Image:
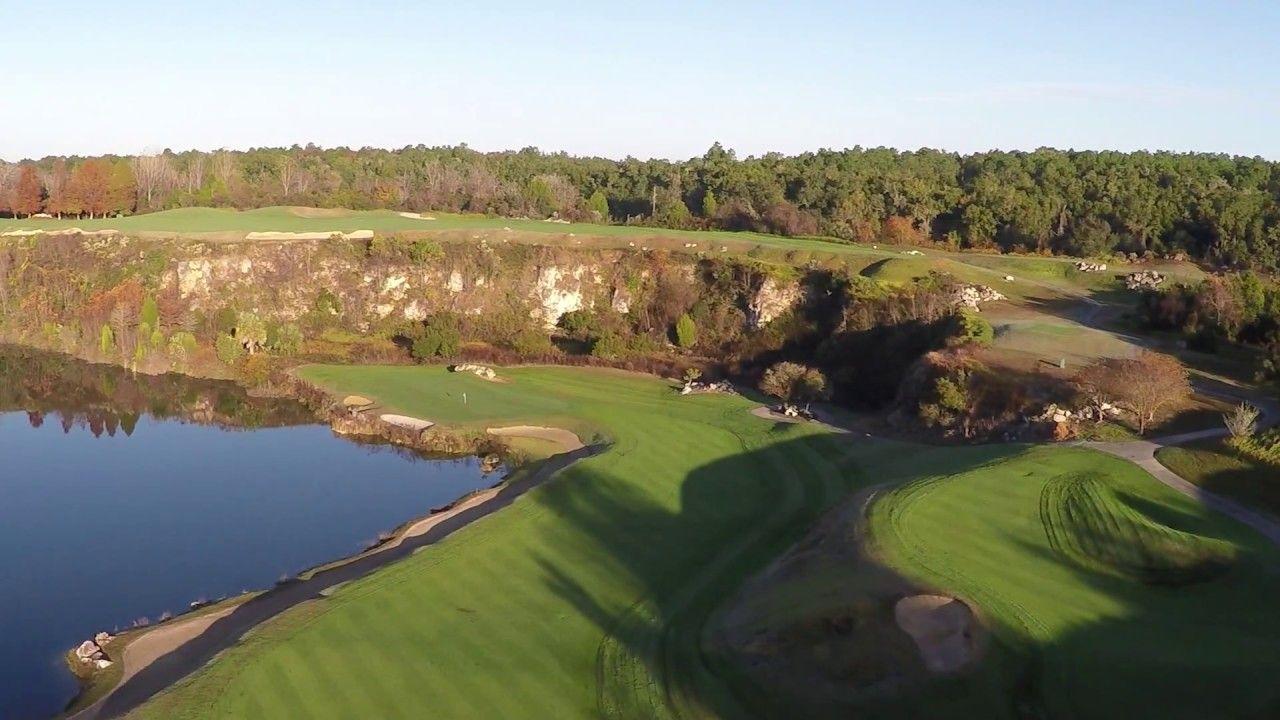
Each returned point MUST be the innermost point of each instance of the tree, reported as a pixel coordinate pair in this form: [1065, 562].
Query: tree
[686, 332]
[793, 382]
[1143, 385]
[598, 206]
[709, 205]
[28, 196]
[155, 175]
[89, 188]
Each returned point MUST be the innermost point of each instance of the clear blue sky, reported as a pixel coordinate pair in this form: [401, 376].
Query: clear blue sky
[655, 78]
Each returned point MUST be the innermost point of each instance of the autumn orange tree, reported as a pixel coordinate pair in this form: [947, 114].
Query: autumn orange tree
[28, 195]
[1143, 385]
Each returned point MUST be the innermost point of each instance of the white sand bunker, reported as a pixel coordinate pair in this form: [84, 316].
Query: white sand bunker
[415, 216]
[406, 422]
[63, 231]
[564, 438]
[354, 235]
[942, 628]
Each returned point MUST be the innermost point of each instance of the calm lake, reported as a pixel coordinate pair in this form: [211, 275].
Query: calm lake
[126, 497]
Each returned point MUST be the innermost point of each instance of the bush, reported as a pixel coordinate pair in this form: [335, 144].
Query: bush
[609, 347]
[284, 339]
[182, 345]
[531, 341]
[229, 349]
[579, 324]
[438, 338]
[686, 332]
[970, 327]
[421, 251]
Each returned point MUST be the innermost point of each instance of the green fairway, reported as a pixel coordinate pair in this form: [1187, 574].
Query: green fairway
[1074, 557]
[1035, 273]
[590, 596]
[608, 572]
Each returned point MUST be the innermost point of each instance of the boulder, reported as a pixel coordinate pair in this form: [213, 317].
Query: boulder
[480, 371]
[1143, 280]
[971, 296]
[1090, 266]
[102, 639]
[102, 663]
[88, 651]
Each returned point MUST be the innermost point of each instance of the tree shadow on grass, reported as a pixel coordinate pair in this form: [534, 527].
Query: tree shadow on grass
[677, 568]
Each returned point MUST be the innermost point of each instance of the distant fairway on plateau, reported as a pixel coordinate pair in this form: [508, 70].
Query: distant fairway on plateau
[590, 596]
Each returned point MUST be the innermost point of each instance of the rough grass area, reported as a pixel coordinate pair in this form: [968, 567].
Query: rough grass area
[1217, 467]
[1073, 641]
[591, 596]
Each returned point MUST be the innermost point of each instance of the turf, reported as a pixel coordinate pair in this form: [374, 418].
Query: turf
[607, 572]
[1214, 466]
[589, 597]
[1074, 639]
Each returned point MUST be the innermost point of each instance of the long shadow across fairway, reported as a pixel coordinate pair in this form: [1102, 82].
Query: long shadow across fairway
[226, 631]
[737, 514]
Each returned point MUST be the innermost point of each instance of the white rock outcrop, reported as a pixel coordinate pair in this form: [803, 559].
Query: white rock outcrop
[972, 296]
[1143, 280]
[771, 300]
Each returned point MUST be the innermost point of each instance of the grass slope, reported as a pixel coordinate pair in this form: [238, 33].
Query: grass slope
[1215, 466]
[590, 596]
[606, 573]
[1087, 642]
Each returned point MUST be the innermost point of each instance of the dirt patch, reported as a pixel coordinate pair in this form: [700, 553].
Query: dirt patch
[565, 439]
[942, 628]
[356, 402]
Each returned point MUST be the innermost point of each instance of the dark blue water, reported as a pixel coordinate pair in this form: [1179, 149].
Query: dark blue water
[99, 527]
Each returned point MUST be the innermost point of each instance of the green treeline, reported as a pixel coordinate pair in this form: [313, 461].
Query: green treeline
[1215, 207]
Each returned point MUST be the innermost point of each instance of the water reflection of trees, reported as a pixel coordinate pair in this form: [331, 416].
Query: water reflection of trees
[106, 399]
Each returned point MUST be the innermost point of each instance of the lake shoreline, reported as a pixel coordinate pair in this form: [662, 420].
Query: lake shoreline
[186, 652]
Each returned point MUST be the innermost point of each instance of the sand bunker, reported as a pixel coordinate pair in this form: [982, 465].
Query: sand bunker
[559, 436]
[310, 212]
[942, 628]
[415, 216]
[64, 231]
[406, 422]
[272, 235]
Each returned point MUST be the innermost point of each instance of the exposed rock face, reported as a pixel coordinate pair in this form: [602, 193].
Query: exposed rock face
[554, 297]
[1143, 280]
[772, 299]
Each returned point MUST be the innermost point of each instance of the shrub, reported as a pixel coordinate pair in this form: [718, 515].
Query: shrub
[686, 332]
[423, 250]
[251, 332]
[439, 338]
[1242, 421]
[284, 339]
[970, 327]
[609, 347]
[106, 340]
[182, 345]
[531, 341]
[228, 349]
[327, 303]
[149, 315]
[579, 324]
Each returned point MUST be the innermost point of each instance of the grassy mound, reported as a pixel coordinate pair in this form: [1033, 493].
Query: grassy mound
[899, 271]
[1088, 522]
[1070, 641]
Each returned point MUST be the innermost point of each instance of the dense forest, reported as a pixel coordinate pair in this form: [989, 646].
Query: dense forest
[1218, 208]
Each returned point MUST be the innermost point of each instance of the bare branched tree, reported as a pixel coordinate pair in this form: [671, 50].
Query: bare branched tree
[154, 175]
